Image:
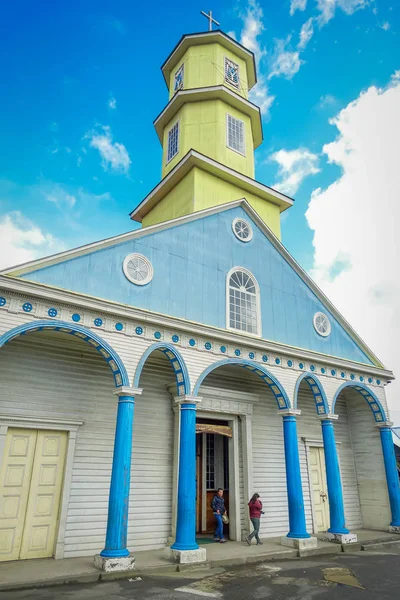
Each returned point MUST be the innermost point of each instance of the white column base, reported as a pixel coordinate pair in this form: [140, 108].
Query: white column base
[394, 529]
[341, 538]
[186, 557]
[300, 543]
[124, 563]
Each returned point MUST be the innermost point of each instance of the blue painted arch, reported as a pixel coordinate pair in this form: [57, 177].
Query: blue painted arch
[376, 407]
[317, 390]
[177, 363]
[107, 352]
[276, 388]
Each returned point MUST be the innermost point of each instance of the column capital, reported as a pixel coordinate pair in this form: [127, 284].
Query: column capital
[328, 417]
[128, 391]
[289, 412]
[187, 399]
[384, 425]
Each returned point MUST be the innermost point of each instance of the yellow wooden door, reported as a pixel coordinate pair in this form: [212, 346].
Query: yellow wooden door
[15, 478]
[40, 485]
[319, 489]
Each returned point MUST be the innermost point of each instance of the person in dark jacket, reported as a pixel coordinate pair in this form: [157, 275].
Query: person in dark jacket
[255, 509]
[218, 506]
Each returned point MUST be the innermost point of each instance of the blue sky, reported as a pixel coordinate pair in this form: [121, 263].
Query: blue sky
[81, 86]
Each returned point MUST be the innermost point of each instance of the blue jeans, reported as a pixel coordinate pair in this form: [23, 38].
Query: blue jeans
[256, 525]
[219, 531]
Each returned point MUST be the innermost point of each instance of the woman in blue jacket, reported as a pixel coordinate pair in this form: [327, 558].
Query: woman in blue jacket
[218, 506]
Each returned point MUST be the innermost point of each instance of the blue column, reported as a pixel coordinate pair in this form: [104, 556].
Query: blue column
[392, 476]
[297, 519]
[186, 517]
[118, 504]
[335, 493]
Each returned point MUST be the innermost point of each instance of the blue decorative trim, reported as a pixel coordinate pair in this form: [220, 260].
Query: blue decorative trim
[192, 342]
[98, 322]
[208, 346]
[157, 335]
[301, 366]
[377, 409]
[108, 353]
[52, 312]
[312, 368]
[265, 358]
[343, 374]
[378, 382]
[237, 352]
[251, 355]
[2, 301]
[323, 370]
[290, 363]
[76, 318]
[278, 361]
[273, 384]
[370, 380]
[361, 378]
[177, 362]
[27, 307]
[139, 330]
[317, 390]
[175, 338]
[352, 376]
[392, 477]
[119, 326]
[223, 349]
[333, 372]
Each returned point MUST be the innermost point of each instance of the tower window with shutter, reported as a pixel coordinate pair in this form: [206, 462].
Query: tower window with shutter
[231, 73]
[235, 134]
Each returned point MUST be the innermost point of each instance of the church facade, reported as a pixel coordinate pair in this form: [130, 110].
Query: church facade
[141, 373]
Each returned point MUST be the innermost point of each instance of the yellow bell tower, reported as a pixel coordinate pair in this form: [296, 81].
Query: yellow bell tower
[209, 130]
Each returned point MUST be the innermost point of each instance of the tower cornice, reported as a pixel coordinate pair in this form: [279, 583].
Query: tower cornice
[217, 92]
[210, 37]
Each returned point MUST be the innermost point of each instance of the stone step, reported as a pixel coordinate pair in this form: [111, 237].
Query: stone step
[383, 545]
[328, 549]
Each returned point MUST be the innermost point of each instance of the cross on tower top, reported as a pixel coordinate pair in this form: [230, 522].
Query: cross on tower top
[210, 19]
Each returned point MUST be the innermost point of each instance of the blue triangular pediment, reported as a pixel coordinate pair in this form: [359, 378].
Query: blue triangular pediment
[191, 260]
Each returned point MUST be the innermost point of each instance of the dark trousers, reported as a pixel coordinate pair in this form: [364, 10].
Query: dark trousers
[256, 525]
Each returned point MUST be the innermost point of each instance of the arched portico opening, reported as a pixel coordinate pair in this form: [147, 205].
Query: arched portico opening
[176, 361]
[56, 398]
[362, 465]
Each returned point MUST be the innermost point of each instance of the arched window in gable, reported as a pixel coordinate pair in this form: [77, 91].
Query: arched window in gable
[243, 302]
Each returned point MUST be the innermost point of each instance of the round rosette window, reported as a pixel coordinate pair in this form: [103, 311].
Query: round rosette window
[138, 269]
[242, 229]
[322, 324]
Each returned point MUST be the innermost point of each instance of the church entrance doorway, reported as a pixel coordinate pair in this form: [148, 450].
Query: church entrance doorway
[213, 441]
[319, 489]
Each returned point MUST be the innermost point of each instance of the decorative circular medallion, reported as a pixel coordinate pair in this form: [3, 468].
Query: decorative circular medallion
[223, 349]
[323, 370]
[265, 358]
[333, 372]
[175, 338]
[192, 342]
[98, 322]
[76, 318]
[312, 368]
[139, 330]
[361, 378]
[278, 361]
[322, 324]
[52, 312]
[237, 352]
[343, 374]
[208, 346]
[119, 326]
[378, 381]
[352, 376]
[251, 355]
[242, 229]
[138, 269]
[27, 307]
[370, 380]
[290, 363]
[157, 335]
[301, 366]
[2, 301]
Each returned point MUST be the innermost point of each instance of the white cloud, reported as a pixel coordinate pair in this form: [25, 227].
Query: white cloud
[327, 8]
[112, 103]
[113, 154]
[22, 241]
[284, 62]
[297, 5]
[385, 26]
[306, 33]
[326, 100]
[252, 29]
[358, 216]
[60, 197]
[294, 166]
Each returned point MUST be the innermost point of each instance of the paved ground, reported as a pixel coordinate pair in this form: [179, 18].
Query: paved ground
[366, 575]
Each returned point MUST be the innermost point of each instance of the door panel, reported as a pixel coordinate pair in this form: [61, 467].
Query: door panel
[319, 489]
[44, 496]
[15, 477]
